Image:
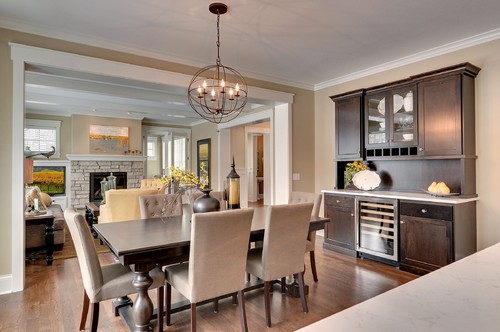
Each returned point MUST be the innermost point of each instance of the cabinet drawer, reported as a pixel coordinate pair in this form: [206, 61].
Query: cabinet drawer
[423, 210]
[340, 201]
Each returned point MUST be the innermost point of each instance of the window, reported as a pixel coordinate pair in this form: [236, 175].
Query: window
[41, 135]
[176, 150]
[180, 144]
[151, 148]
[170, 147]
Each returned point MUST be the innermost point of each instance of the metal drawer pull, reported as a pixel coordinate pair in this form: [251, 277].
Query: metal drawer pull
[424, 210]
[402, 222]
[338, 201]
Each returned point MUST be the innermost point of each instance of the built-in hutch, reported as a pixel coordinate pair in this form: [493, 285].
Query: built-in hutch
[411, 132]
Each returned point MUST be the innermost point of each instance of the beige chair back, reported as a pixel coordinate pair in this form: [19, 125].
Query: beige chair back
[303, 197]
[218, 254]
[285, 237]
[88, 260]
[157, 206]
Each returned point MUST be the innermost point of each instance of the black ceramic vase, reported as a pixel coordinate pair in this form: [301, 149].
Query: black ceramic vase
[206, 203]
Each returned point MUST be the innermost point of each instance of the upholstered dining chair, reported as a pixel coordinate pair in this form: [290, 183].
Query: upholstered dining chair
[157, 206]
[282, 252]
[103, 282]
[301, 197]
[217, 260]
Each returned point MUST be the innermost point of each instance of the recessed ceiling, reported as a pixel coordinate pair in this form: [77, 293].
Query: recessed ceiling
[307, 44]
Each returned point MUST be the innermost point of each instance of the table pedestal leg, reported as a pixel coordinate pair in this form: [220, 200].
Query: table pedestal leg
[293, 288]
[143, 306]
[121, 302]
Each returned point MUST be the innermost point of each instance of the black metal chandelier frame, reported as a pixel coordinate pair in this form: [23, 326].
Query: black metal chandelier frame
[218, 93]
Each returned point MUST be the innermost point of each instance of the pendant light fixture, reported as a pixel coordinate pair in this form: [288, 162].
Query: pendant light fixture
[217, 93]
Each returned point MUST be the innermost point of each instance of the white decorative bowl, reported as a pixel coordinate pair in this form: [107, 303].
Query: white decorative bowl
[366, 180]
[381, 106]
[398, 103]
[408, 102]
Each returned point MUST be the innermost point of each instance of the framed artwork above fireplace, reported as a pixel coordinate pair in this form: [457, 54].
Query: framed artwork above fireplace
[108, 139]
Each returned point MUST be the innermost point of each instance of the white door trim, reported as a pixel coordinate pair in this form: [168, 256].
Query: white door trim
[22, 55]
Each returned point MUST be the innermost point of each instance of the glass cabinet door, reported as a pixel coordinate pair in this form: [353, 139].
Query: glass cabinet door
[376, 123]
[403, 116]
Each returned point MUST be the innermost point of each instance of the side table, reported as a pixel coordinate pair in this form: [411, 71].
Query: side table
[46, 219]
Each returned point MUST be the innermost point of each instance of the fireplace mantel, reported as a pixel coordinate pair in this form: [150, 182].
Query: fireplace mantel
[104, 157]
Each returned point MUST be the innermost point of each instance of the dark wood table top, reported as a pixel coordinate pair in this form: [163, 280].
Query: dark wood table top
[137, 241]
[38, 216]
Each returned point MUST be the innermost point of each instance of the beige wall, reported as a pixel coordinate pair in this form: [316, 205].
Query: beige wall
[487, 57]
[303, 141]
[238, 144]
[75, 131]
[81, 130]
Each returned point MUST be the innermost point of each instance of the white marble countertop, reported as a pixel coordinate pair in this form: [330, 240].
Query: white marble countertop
[462, 296]
[402, 195]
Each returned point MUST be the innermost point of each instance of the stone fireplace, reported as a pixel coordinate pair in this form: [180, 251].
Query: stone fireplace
[83, 165]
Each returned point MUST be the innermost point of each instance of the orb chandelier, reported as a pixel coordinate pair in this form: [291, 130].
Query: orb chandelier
[218, 93]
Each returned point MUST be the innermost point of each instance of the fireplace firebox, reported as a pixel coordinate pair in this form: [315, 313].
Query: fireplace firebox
[95, 195]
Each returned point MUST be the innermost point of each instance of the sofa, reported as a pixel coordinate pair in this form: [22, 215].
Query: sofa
[123, 204]
[35, 234]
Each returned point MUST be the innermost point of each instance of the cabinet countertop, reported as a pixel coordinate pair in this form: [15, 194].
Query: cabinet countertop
[461, 296]
[423, 197]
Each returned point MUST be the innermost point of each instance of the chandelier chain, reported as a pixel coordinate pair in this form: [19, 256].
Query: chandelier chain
[216, 92]
[218, 39]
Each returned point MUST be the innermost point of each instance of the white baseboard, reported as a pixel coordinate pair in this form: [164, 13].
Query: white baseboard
[6, 284]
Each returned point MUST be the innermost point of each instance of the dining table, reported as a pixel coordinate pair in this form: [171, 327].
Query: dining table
[147, 243]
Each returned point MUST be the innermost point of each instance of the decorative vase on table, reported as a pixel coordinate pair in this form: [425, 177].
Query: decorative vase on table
[173, 187]
[206, 203]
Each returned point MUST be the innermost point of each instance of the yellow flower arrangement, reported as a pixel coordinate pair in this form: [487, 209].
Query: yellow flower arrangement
[186, 178]
[353, 168]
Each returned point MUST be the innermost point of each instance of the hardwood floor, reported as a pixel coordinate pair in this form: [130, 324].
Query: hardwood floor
[52, 299]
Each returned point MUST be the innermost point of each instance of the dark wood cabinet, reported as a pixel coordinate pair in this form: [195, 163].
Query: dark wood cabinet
[348, 125]
[390, 118]
[340, 232]
[434, 235]
[446, 112]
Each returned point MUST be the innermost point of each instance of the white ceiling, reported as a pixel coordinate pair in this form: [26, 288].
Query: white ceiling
[307, 44]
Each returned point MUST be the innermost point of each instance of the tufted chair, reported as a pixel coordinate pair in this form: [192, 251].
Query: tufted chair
[157, 206]
[301, 197]
[153, 184]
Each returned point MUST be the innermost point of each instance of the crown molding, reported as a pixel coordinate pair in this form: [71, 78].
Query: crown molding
[433, 52]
